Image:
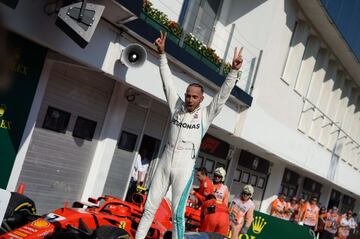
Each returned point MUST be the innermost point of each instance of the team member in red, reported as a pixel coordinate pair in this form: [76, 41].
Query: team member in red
[242, 211]
[309, 214]
[221, 191]
[215, 216]
[206, 186]
[278, 206]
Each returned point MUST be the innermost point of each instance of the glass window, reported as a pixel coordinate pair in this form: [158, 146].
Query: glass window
[84, 128]
[261, 182]
[209, 165]
[56, 120]
[253, 180]
[199, 162]
[237, 175]
[202, 17]
[127, 141]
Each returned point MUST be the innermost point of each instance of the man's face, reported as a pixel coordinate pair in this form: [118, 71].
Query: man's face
[200, 176]
[217, 178]
[313, 201]
[282, 197]
[245, 196]
[193, 98]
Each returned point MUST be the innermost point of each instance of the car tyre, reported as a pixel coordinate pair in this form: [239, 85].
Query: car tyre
[110, 232]
[20, 207]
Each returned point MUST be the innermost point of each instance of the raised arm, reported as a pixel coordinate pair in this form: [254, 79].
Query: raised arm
[168, 85]
[218, 101]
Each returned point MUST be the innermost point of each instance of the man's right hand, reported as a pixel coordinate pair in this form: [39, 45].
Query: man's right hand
[160, 42]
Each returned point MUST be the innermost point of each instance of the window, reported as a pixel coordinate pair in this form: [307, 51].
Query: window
[84, 128]
[56, 120]
[253, 162]
[127, 141]
[202, 16]
[311, 186]
[209, 165]
[253, 180]
[261, 182]
[237, 175]
[245, 177]
[218, 165]
[152, 146]
[199, 162]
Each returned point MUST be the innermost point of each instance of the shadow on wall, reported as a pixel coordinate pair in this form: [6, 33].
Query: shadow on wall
[238, 9]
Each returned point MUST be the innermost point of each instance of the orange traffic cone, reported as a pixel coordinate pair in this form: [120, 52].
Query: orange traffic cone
[21, 188]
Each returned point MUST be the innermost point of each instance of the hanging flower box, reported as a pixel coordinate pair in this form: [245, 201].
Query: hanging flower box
[155, 24]
[160, 27]
[192, 51]
[210, 64]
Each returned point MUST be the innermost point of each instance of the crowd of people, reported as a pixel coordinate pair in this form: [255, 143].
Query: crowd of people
[217, 215]
[327, 223]
[221, 216]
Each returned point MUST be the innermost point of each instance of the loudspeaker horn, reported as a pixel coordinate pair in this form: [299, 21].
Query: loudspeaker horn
[134, 55]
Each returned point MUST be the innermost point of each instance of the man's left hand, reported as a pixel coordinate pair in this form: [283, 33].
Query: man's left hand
[237, 60]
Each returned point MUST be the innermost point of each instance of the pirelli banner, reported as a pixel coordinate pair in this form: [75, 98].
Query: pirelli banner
[23, 63]
[268, 227]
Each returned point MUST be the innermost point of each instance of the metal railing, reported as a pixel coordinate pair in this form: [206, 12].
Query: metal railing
[332, 123]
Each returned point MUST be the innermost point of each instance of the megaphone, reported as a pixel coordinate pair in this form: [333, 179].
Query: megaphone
[134, 55]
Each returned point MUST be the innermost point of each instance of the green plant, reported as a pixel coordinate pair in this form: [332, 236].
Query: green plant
[154, 13]
[175, 28]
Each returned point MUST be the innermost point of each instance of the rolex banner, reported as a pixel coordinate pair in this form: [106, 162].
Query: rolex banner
[27, 59]
[268, 227]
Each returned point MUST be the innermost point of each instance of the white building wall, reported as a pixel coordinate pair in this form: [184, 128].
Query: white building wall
[296, 96]
[171, 8]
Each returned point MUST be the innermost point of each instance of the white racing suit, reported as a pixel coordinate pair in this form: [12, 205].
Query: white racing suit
[176, 165]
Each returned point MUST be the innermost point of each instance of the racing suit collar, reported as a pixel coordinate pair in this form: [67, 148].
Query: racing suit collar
[183, 109]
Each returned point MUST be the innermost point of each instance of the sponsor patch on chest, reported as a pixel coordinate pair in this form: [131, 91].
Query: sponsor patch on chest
[185, 125]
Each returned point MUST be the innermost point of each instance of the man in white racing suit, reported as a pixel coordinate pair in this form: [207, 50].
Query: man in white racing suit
[188, 124]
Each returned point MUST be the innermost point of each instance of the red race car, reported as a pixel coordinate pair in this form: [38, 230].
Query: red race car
[106, 217]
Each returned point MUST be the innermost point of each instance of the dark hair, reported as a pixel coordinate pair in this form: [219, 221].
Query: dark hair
[209, 197]
[203, 171]
[197, 85]
[313, 198]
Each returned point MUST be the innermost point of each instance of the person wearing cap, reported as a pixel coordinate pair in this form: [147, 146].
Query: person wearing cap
[206, 186]
[214, 216]
[221, 191]
[241, 212]
[353, 225]
[330, 224]
[291, 209]
[344, 225]
[309, 214]
[278, 207]
[321, 220]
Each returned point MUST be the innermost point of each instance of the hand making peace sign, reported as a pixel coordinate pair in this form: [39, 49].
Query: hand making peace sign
[160, 42]
[237, 60]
